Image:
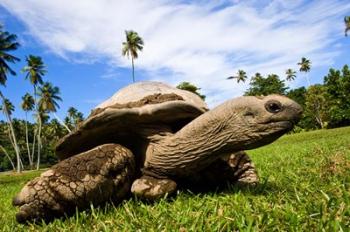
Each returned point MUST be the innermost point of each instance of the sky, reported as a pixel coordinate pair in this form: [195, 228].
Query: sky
[201, 41]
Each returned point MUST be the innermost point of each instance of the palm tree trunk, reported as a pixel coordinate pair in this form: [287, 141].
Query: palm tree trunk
[36, 129]
[39, 142]
[8, 157]
[62, 123]
[39, 122]
[38, 158]
[133, 69]
[33, 147]
[307, 79]
[27, 141]
[15, 144]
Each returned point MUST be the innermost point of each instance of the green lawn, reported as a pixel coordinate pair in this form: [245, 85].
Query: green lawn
[305, 186]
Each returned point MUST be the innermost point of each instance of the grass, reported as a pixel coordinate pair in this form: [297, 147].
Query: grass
[305, 186]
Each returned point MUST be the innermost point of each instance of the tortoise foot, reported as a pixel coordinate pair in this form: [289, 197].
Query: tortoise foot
[93, 177]
[243, 169]
[236, 168]
[151, 188]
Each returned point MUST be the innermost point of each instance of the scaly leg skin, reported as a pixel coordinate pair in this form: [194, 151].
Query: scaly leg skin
[236, 168]
[96, 176]
[151, 188]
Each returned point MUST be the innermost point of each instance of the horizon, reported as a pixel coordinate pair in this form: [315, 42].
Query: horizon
[199, 42]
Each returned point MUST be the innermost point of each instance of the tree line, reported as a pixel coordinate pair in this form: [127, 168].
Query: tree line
[23, 142]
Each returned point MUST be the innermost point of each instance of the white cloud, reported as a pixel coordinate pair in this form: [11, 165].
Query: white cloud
[202, 42]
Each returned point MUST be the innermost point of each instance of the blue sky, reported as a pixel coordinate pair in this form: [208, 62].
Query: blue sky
[198, 41]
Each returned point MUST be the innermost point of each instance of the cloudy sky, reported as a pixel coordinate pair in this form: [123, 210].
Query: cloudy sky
[202, 42]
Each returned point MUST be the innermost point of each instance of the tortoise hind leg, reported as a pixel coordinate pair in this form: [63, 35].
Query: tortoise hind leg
[96, 176]
[236, 168]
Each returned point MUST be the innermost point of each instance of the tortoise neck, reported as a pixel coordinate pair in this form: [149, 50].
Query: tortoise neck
[195, 146]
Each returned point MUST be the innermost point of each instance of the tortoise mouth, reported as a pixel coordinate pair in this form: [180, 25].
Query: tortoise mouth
[272, 130]
[282, 125]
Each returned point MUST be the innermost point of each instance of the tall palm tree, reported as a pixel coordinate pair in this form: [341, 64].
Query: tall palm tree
[8, 43]
[241, 76]
[28, 105]
[347, 24]
[305, 66]
[131, 46]
[35, 70]
[291, 74]
[8, 107]
[49, 95]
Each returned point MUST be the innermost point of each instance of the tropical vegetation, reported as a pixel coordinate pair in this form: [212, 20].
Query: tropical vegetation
[190, 87]
[22, 140]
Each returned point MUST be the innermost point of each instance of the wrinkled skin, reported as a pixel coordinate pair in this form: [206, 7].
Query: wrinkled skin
[236, 168]
[99, 175]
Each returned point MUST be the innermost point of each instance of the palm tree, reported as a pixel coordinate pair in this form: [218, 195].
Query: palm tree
[241, 76]
[72, 112]
[347, 24]
[8, 43]
[256, 77]
[291, 74]
[8, 107]
[35, 70]
[305, 66]
[49, 95]
[28, 105]
[131, 46]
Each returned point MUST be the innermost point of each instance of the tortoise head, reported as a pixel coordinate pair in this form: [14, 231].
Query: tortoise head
[260, 120]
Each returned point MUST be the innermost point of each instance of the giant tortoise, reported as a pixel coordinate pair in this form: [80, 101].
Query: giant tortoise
[147, 139]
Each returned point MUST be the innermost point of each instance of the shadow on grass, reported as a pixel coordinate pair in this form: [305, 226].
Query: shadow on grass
[264, 187]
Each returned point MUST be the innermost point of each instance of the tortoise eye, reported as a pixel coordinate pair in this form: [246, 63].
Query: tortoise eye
[273, 106]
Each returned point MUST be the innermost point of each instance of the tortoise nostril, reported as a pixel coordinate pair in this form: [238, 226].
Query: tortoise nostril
[273, 106]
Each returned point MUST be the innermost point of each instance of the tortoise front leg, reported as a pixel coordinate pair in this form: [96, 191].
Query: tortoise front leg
[236, 168]
[151, 188]
[96, 176]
